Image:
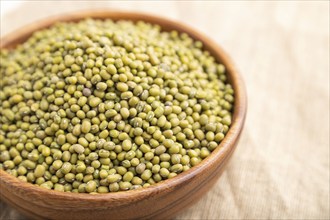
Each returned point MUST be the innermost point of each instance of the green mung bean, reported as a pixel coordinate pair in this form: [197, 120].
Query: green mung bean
[97, 112]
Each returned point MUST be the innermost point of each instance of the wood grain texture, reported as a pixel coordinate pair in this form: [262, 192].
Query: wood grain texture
[162, 200]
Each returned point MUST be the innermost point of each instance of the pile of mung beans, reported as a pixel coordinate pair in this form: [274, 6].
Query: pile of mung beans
[100, 106]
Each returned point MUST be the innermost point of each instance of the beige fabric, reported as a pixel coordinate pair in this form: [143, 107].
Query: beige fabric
[281, 167]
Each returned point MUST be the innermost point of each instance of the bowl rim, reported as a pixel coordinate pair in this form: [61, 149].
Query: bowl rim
[221, 153]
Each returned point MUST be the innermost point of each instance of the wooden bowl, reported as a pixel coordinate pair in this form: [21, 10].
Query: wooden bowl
[162, 200]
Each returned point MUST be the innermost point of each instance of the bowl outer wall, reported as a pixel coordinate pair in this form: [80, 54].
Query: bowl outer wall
[161, 200]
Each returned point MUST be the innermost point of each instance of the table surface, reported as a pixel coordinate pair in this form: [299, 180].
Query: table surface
[281, 167]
